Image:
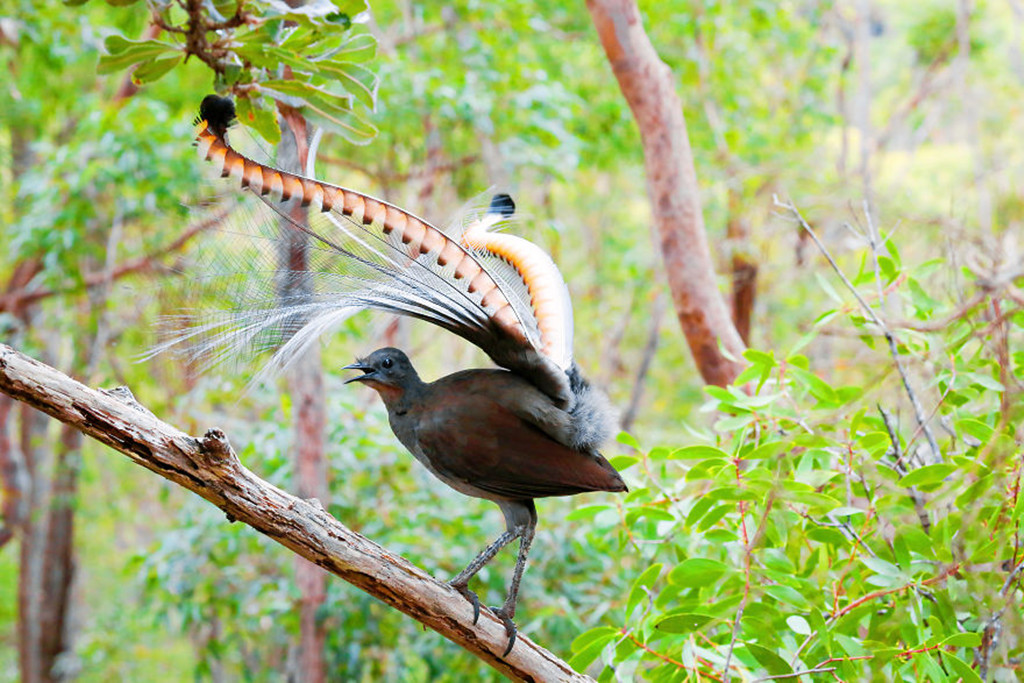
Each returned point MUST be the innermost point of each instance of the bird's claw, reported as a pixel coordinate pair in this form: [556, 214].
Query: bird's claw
[469, 595]
[510, 627]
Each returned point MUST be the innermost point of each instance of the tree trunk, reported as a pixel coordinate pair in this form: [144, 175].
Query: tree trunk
[744, 268]
[306, 387]
[648, 87]
[59, 560]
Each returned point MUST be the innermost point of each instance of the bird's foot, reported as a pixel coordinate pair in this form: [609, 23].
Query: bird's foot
[510, 627]
[464, 591]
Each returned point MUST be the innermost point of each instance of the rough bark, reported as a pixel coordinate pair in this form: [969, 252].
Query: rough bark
[209, 467]
[14, 479]
[647, 84]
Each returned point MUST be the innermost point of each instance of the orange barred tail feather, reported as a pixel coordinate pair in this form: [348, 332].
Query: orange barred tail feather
[500, 292]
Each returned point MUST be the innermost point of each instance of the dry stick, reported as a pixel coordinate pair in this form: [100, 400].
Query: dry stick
[894, 439]
[922, 421]
[636, 396]
[994, 626]
[209, 467]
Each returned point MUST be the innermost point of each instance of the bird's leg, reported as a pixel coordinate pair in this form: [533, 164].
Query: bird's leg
[461, 582]
[507, 611]
[521, 518]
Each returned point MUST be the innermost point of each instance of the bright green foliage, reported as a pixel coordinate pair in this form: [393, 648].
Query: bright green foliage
[265, 53]
[781, 496]
[817, 530]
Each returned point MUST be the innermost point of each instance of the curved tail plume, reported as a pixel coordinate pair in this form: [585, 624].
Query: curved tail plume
[500, 292]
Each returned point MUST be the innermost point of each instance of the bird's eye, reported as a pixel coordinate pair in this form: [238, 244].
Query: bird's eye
[387, 363]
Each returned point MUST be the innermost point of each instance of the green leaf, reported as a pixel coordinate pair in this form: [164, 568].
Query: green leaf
[587, 638]
[968, 639]
[696, 572]
[979, 430]
[683, 623]
[818, 387]
[588, 653]
[628, 439]
[929, 474]
[767, 450]
[752, 372]
[587, 512]
[659, 453]
[154, 70]
[357, 48]
[697, 453]
[798, 624]
[641, 586]
[772, 662]
[788, 595]
[760, 357]
[732, 492]
[881, 566]
[818, 502]
[327, 110]
[355, 78]
[826, 535]
[983, 380]
[123, 53]
[259, 118]
[623, 462]
[962, 668]
[650, 512]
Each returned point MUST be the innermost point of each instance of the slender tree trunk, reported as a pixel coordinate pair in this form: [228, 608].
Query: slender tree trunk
[33, 666]
[649, 88]
[59, 560]
[305, 384]
[744, 268]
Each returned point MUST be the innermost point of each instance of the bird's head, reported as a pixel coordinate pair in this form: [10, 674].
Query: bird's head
[387, 370]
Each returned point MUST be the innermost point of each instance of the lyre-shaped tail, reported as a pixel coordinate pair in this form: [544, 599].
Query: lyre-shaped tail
[496, 291]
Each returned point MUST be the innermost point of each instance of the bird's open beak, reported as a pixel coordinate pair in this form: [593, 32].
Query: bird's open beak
[368, 372]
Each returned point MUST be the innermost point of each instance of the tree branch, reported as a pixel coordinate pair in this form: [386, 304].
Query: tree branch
[648, 86]
[209, 467]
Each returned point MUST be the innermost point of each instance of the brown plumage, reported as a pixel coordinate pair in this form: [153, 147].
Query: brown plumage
[486, 434]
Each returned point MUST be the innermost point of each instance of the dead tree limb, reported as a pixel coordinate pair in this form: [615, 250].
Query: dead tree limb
[209, 467]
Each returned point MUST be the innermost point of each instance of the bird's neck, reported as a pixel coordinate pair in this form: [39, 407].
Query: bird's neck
[398, 399]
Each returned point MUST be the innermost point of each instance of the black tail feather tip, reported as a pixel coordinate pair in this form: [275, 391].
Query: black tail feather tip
[218, 112]
[503, 204]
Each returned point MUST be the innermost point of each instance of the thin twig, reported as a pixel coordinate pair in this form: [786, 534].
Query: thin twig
[915, 496]
[919, 413]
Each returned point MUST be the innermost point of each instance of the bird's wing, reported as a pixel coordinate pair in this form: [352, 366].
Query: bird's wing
[469, 437]
[499, 294]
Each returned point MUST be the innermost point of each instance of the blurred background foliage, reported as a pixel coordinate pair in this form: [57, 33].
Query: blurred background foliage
[757, 520]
